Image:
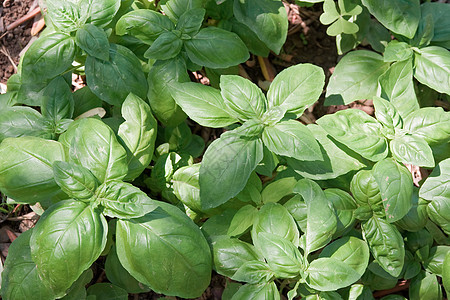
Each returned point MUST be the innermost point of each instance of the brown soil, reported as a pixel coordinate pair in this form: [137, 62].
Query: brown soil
[12, 43]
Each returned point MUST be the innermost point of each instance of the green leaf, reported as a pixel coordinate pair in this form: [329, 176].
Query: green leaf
[358, 131]
[344, 206]
[74, 180]
[57, 102]
[399, 16]
[413, 150]
[78, 289]
[254, 272]
[349, 250]
[387, 114]
[446, 273]
[178, 251]
[435, 262]
[26, 172]
[441, 32]
[385, 243]
[99, 13]
[396, 187]
[417, 216]
[437, 185]
[397, 51]
[230, 254]
[138, 134]
[276, 190]
[438, 211]
[96, 148]
[176, 8]
[243, 97]
[160, 76]
[365, 190]
[203, 104]
[85, 100]
[282, 256]
[336, 161]
[429, 123]
[48, 57]
[93, 41]
[123, 200]
[19, 121]
[355, 77]
[321, 220]
[64, 15]
[260, 291]
[267, 18]
[68, 238]
[293, 139]
[397, 85]
[251, 40]
[145, 24]
[296, 88]
[274, 213]
[432, 68]
[191, 21]
[329, 274]
[425, 286]
[213, 47]
[120, 277]
[229, 160]
[242, 220]
[166, 46]
[342, 26]
[106, 291]
[113, 80]
[20, 278]
[186, 186]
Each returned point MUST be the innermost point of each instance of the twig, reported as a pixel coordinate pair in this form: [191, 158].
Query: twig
[23, 19]
[267, 69]
[29, 216]
[5, 52]
[401, 286]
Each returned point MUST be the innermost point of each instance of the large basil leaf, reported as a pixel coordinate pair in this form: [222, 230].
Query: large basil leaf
[113, 80]
[293, 139]
[26, 172]
[165, 244]
[329, 274]
[74, 180]
[355, 77]
[176, 8]
[230, 254]
[213, 47]
[64, 15]
[396, 187]
[48, 57]
[429, 123]
[437, 185]
[397, 15]
[283, 257]
[441, 24]
[22, 121]
[321, 220]
[57, 101]
[438, 211]
[336, 161]
[251, 40]
[267, 18]
[68, 238]
[274, 213]
[413, 150]
[254, 272]
[119, 276]
[138, 134]
[145, 24]
[385, 243]
[96, 148]
[433, 68]
[203, 104]
[262, 291]
[351, 251]
[229, 160]
[93, 41]
[20, 278]
[161, 101]
[296, 88]
[99, 12]
[243, 97]
[358, 131]
[398, 86]
[123, 200]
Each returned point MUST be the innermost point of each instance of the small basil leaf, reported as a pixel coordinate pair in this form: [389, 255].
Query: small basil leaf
[138, 134]
[387, 114]
[191, 21]
[425, 286]
[105, 291]
[365, 190]
[186, 186]
[176, 8]
[123, 200]
[438, 211]
[64, 15]
[413, 150]
[397, 51]
[430, 123]
[93, 41]
[433, 68]
[396, 188]
[441, 32]
[254, 272]
[74, 180]
[242, 220]
[267, 290]
[344, 206]
[99, 13]
[166, 46]
[437, 185]
[276, 190]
